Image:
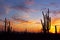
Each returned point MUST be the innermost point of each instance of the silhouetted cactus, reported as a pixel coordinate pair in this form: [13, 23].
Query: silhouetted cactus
[47, 22]
[5, 24]
[25, 31]
[55, 29]
[9, 28]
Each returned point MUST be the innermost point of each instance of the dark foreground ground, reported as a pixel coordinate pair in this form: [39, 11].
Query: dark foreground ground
[28, 36]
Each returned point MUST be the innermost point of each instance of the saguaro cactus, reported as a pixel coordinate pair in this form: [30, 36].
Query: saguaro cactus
[55, 29]
[9, 27]
[5, 24]
[47, 22]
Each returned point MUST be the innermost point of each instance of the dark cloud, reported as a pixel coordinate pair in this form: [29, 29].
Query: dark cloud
[1, 20]
[5, 5]
[54, 4]
[55, 12]
[19, 19]
[23, 7]
[20, 7]
[2, 10]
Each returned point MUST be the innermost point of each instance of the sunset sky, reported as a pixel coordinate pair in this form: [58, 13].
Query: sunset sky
[26, 14]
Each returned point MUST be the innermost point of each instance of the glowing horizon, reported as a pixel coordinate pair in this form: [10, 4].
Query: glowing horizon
[27, 14]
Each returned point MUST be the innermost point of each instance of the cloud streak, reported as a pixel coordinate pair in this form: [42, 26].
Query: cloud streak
[19, 19]
[54, 4]
[24, 8]
[29, 2]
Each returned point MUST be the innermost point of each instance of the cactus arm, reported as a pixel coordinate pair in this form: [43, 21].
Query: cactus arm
[41, 22]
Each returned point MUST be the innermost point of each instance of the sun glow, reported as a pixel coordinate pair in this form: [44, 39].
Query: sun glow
[34, 26]
[56, 22]
[30, 26]
[52, 30]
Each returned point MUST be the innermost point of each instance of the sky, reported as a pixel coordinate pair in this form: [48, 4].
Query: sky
[26, 14]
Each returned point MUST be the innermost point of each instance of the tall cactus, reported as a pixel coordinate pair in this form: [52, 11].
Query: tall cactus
[47, 22]
[9, 27]
[5, 24]
[55, 29]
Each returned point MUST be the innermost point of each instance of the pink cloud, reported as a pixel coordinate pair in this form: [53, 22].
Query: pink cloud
[33, 10]
[29, 2]
[7, 9]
